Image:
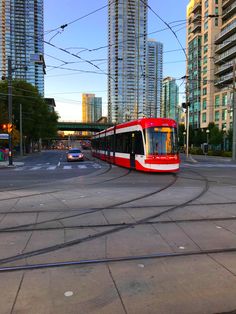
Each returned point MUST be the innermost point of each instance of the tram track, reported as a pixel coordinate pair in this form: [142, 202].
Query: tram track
[114, 259]
[128, 207]
[94, 210]
[113, 230]
[90, 226]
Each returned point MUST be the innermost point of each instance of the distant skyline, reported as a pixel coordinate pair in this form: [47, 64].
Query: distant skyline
[76, 54]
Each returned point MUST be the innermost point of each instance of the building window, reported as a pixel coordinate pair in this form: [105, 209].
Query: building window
[206, 25]
[216, 1]
[204, 72]
[203, 117]
[204, 91]
[205, 37]
[217, 101]
[217, 115]
[205, 60]
[206, 4]
[224, 114]
[205, 49]
[204, 104]
[216, 21]
[224, 99]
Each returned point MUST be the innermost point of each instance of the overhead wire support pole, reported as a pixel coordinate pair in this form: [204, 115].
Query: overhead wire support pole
[234, 116]
[10, 157]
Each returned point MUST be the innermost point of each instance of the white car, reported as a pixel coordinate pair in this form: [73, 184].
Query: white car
[74, 154]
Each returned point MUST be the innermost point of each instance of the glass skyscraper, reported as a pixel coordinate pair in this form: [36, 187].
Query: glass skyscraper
[127, 59]
[154, 78]
[170, 98]
[21, 39]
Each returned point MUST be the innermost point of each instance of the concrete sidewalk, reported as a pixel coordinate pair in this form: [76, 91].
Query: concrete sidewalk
[5, 164]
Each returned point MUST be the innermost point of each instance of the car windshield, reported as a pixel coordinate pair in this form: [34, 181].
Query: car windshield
[161, 141]
[76, 151]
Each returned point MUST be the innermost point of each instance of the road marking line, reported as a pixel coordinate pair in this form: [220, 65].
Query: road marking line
[35, 168]
[67, 167]
[82, 166]
[51, 168]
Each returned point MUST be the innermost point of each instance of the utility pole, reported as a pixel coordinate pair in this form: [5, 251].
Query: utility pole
[187, 114]
[234, 117]
[10, 157]
[21, 138]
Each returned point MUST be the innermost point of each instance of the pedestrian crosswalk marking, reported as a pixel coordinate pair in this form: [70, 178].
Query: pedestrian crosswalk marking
[36, 168]
[48, 167]
[51, 168]
[67, 167]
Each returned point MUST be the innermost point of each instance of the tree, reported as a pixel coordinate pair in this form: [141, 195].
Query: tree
[215, 135]
[37, 120]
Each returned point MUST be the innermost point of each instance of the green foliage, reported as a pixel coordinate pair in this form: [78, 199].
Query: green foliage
[196, 151]
[37, 120]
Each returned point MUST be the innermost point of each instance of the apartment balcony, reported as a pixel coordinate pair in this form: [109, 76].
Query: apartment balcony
[225, 80]
[226, 32]
[196, 27]
[197, 6]
[226, 56]
[223, 69]
[196, 17]
[228, 43]
[229, 11]
[226, 3]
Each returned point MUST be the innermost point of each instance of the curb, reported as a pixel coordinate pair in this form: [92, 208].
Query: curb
[5, 164]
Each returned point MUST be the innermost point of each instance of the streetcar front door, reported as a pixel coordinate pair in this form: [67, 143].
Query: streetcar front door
[132, 153]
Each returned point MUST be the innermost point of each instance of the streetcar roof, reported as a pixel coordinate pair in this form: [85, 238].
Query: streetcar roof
[144, 123]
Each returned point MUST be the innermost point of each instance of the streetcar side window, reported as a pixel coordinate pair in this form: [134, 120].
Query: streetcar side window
[139, 149]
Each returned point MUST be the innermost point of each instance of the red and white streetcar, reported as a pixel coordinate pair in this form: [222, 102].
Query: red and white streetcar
[148, 144]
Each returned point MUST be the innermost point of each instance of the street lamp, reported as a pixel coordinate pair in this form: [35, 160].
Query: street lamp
[184, 134]
[224, 138]
[207, 133]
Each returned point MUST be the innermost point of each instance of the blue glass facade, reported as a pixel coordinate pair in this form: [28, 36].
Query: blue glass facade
[170, 98]
[21, 38]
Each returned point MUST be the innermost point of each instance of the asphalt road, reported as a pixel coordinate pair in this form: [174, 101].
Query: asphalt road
[47, 166]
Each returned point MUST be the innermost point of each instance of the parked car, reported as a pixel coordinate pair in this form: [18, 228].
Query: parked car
[74, 154]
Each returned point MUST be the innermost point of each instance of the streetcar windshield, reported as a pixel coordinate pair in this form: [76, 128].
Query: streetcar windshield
[161, 141]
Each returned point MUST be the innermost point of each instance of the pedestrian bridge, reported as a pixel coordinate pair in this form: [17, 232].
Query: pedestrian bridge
[82, 126]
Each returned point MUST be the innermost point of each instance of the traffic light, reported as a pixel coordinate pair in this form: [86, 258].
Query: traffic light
[3, 127]
[185, 105]
[9, 127]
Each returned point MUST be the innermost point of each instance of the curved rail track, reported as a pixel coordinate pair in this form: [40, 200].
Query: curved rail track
[113, 229]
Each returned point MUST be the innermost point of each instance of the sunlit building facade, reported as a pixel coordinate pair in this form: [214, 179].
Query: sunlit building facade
[127, 39]
[211, 52]
[21, 39]
[154, 78]
[91, 108]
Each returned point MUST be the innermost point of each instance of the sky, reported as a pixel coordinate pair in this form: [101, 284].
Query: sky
[72, 68]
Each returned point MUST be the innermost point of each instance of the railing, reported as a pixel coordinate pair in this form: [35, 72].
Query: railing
[227, 10]
[225, 43]
[225, 54]
[226, 30]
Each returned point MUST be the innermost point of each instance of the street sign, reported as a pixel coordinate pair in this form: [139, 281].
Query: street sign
[4, 136]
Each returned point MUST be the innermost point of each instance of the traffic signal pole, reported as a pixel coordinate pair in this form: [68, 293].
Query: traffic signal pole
[10, 157]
